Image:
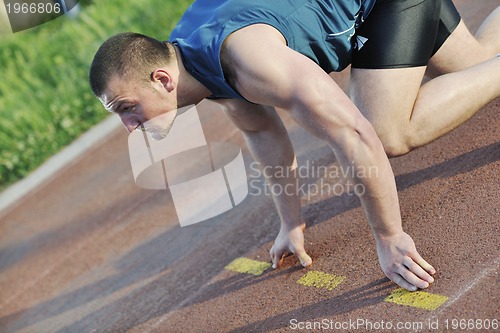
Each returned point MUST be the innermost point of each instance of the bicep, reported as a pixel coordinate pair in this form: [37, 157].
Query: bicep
[260, 65]
[268, 72]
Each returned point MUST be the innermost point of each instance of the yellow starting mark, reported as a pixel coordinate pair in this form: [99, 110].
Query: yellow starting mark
[418, 299]
[321, 280]
[248, 266]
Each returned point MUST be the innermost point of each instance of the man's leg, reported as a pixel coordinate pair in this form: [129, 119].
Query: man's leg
[462, 50]
[270, 145]
[407, 115]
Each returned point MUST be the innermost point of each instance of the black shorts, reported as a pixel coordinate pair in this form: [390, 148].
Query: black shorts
[403, 33]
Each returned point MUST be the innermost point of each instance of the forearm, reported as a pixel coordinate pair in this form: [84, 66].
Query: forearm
[363, 151]
[273, 152]
[357, 147]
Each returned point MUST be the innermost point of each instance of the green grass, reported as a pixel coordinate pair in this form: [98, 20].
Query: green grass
[45, 99]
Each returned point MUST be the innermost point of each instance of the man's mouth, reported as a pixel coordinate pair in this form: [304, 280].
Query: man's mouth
[159, 127]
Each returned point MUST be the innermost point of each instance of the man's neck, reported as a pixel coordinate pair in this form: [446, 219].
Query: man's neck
[189, 90]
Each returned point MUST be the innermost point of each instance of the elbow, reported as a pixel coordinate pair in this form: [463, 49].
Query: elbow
[366, 131]
[330, 115]
[357, 139]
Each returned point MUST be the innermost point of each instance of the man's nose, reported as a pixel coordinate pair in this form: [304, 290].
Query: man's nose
[130, 121]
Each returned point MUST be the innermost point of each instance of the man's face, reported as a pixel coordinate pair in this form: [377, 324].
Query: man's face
[141, 105]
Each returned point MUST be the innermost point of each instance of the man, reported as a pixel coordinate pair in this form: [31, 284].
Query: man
[253, 57]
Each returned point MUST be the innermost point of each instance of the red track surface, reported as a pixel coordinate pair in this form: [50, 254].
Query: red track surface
[91, 252]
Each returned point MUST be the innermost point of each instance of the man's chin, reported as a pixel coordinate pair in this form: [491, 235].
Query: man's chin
[159, 135]
[159, 127]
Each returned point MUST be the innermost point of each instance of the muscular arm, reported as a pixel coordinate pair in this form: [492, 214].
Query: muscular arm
[265, 71]
[270, 145]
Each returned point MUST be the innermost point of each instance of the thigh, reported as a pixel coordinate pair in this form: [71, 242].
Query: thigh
[386, 97]
[459, 51]
[388, 69]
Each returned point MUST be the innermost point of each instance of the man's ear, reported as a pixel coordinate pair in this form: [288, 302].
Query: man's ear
[161, 76]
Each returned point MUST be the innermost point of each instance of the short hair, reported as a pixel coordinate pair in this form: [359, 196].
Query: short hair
[127, 54]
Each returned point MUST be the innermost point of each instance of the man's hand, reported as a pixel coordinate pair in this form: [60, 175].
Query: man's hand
[290, 240]
[402, 264]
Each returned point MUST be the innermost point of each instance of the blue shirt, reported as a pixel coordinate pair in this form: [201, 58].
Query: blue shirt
[319, 29]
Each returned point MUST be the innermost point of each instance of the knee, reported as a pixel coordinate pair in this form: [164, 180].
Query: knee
[395, 143]
[395, 149]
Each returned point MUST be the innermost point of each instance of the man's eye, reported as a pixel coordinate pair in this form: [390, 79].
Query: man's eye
[128, 109]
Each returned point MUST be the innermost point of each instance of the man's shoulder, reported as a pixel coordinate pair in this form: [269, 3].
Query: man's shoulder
[207, 14]
[202, 31]
[205, 17]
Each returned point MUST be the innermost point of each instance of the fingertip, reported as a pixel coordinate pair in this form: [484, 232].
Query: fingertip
[305, 260]
[425, 265]
[273, 262]
[277, 262]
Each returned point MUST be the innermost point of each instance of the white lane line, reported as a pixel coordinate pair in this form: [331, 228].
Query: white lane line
[490, 268]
